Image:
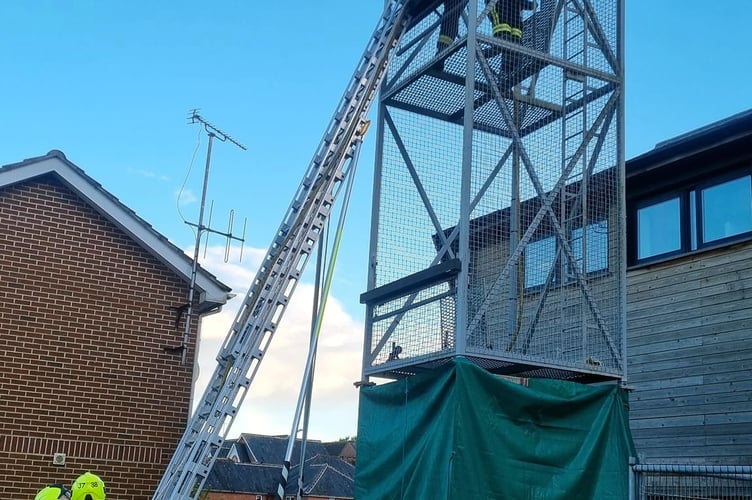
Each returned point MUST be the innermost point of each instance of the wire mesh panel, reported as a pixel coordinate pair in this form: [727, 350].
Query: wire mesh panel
[664, 482]
[517, 172]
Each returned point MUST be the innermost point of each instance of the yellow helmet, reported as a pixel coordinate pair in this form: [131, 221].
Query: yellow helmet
[53, 492]
[88, 486]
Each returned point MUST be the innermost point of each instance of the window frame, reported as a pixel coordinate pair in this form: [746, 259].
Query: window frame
[538, 286]
[683, 196]
[690, 223]
[600, 270]
[557, 279]
[699, 222]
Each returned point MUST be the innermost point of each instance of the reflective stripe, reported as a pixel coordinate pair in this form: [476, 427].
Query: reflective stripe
[494, 17]
[445, 39]
[501, 28]
[498, 29]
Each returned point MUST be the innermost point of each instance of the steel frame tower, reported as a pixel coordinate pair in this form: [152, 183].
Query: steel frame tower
[498, 206]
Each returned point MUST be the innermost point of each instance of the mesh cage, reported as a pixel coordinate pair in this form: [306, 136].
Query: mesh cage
[518, 174]
[659, 482]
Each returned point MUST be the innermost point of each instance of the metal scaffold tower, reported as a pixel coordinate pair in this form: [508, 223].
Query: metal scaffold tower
[498, 209]
[498, 206]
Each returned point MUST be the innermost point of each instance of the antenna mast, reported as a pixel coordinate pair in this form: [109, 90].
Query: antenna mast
[212, 132]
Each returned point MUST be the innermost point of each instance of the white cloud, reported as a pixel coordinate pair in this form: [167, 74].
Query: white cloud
[149, 174]
[185, 197]
[269, 405]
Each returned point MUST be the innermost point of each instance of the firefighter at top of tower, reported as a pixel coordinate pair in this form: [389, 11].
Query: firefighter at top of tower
[506, 23]
[53, 492]
[88, 486]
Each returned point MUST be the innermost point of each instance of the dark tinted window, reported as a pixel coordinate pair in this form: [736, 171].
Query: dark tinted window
[659, 228]
[726, 209]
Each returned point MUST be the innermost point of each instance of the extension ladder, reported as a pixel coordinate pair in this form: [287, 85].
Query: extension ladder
[268, 296]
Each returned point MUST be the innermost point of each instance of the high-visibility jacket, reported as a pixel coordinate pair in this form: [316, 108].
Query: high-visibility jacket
[53, 492]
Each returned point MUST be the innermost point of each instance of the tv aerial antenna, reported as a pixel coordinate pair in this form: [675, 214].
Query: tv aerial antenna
[213, 132]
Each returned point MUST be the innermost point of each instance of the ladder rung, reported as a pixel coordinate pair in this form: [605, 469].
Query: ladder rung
[574, 75]
[572, 37]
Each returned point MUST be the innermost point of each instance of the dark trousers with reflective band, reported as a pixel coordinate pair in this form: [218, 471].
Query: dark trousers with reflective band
[508, 57]
[505, 18]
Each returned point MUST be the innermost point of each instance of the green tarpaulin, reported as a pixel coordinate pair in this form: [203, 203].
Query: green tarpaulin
[463, 433]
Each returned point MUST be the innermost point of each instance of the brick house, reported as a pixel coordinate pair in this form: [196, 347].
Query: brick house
[250, 467]
[344, 450]
[91, 323]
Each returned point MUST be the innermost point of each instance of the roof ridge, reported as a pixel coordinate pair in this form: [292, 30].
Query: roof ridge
[318, 477]
[104, 202]
[257, 464]
[341, 473]
[702, 130]
[247, 446]
[325, 467]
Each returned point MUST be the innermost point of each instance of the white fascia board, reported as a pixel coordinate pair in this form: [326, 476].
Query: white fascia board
[212, 292]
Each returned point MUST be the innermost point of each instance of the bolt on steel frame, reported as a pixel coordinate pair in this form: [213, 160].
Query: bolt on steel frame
[498, 207]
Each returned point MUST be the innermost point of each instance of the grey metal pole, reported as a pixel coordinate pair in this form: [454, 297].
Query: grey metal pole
[463, 280]
[514, 233]
[194, 264]
[309, 387]
[319, 316]
[631, 482]
[378, 167]
[622, 216]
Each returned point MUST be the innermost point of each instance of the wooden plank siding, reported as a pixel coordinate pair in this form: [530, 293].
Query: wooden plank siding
[689, 332]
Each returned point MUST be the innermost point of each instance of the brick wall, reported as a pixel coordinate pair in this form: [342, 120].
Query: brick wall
[84, 316]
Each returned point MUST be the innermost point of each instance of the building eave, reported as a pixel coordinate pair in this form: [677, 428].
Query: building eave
[732, 130]
[212, 293]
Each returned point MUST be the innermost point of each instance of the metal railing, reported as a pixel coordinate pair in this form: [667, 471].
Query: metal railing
[669, 482]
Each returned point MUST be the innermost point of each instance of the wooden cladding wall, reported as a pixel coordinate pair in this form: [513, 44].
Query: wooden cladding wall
[690, 358]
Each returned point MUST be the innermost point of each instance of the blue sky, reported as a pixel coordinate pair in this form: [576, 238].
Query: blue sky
[111, 83]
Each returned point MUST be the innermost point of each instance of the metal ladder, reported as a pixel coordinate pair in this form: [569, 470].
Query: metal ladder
[574, 119]
[267, 298]
[574, 124]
